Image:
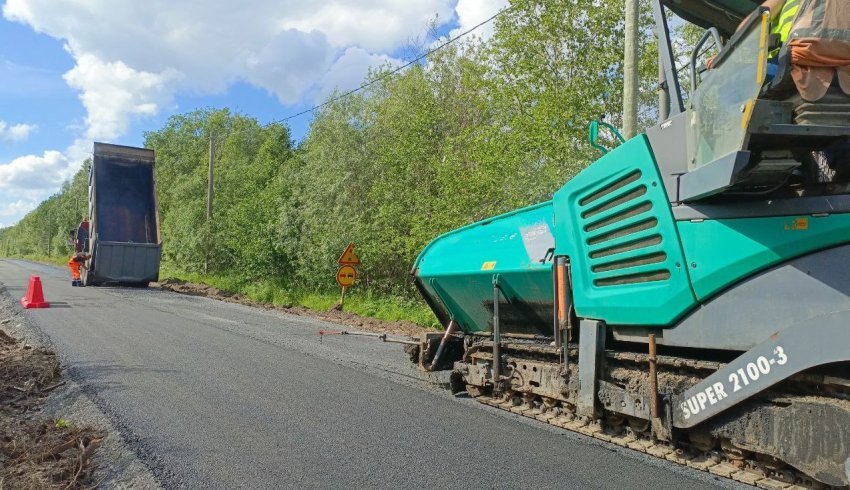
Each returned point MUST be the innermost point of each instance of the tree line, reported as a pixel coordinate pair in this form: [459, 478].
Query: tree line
[478, 129]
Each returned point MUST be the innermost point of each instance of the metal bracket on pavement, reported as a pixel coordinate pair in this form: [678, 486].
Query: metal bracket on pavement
[380, 336]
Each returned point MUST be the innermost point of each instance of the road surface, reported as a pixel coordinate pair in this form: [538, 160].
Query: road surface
[218, 395]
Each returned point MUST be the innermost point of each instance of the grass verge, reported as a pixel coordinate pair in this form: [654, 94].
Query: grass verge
[358, 301]
[44, 259]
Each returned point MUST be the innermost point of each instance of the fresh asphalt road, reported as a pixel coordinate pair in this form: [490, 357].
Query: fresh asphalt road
[219, 395]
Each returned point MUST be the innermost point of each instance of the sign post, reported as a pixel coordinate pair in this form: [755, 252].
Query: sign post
[347, 273]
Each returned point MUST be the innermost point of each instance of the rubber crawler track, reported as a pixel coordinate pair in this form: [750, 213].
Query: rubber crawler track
[715, 462]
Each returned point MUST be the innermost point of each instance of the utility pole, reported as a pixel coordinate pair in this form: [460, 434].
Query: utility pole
[78, 207]
[663, 94]
[209, 202]
[630, 69]
[49, 228]
[210, 179]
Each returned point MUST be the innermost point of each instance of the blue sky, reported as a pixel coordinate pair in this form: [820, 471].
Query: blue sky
[107, 70]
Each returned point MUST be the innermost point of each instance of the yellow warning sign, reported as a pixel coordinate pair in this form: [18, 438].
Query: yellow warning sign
[349, 257]
[488, 266]
[346, 275]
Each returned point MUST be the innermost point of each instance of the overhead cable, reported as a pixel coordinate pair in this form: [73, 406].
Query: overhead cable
[400, 68]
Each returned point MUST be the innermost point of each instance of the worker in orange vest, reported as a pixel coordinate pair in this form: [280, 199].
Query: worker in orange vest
[75, 263]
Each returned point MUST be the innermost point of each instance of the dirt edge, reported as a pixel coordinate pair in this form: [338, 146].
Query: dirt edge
[355, 321]
[56, 437]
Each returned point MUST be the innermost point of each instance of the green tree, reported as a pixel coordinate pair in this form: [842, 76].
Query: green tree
[477, 129]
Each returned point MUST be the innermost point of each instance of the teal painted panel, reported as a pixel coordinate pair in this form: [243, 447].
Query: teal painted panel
[723, 252]
[614, 222]
[456, 270]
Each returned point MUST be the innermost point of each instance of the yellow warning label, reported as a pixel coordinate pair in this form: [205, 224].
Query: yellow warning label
[798, 224]
[349, 256]
[488, 266]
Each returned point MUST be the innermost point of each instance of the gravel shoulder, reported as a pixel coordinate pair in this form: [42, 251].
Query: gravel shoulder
[55, 419]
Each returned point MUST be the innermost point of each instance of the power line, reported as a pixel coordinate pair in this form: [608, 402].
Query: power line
[402, 67]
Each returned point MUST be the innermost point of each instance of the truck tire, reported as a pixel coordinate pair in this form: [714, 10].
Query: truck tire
[87, 276]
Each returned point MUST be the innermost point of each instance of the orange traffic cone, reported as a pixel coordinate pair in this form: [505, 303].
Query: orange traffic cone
[35, 296]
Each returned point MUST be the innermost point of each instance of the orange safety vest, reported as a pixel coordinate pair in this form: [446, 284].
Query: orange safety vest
[74, 265]
[782, 25]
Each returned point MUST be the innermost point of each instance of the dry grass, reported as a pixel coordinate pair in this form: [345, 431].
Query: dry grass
[38, 453]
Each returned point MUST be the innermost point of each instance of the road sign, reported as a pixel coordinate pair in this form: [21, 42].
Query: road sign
[349, 257]
[346, 275]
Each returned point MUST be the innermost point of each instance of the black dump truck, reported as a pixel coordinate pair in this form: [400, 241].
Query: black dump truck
[123, 241]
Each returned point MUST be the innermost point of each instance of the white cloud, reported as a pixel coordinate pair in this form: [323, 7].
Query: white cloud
[33, 172]
[145, 52]
[76, 153]
[16, 208]
[469, 14]
[132, 58]
[27, 180]
[290, 63]
[472, 12]
[112, 92]
[16, 132]
[376, 25]
[351, 68]
[11, 212]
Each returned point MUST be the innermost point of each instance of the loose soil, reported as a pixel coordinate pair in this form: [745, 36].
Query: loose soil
[38, 452]
[359, 322]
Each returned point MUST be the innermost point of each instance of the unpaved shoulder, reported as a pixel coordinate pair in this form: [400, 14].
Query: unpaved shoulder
[333, 315]
[55, 436]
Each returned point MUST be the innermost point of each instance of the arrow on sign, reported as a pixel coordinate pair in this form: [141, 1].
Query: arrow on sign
[346, 275]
